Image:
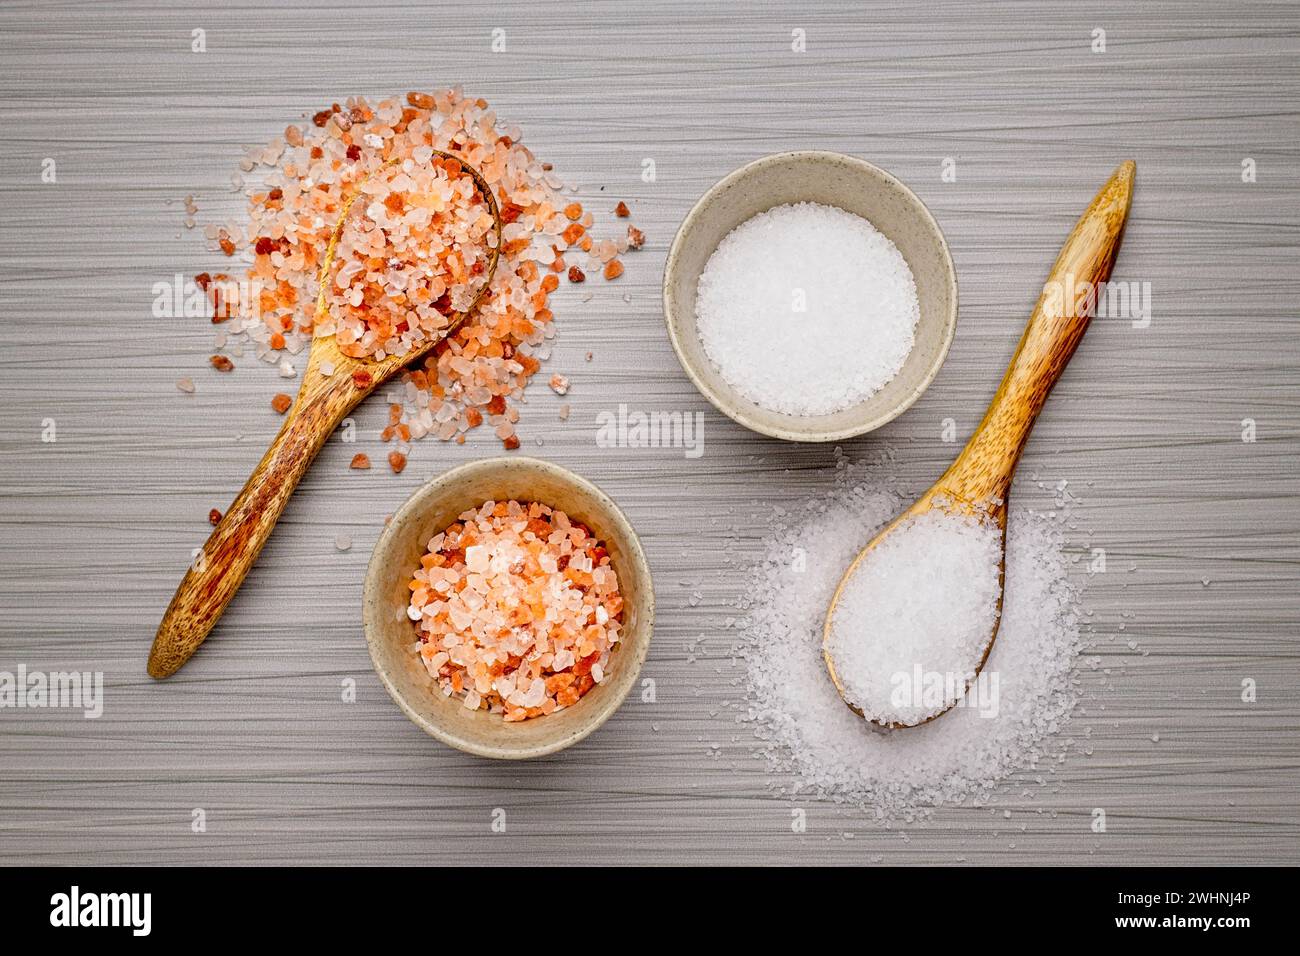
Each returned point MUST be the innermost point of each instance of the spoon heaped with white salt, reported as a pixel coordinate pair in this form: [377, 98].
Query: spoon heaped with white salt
[915, 615]
[346, 365]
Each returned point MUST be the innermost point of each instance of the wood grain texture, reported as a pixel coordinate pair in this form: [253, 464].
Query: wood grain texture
[983, 471]
[1201, 529]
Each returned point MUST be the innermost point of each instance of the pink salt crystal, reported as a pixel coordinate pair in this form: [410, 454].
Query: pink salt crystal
[476, 559]
[559, 384]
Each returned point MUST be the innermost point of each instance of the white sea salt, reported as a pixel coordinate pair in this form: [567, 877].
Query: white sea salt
[915, 616]
[807, 309]
[960, 757]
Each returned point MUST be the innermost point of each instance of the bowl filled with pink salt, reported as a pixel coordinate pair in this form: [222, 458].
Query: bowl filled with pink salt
[810, 296]
[508, 608]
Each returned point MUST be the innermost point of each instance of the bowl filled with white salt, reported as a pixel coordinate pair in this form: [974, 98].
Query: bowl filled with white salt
[810, 296]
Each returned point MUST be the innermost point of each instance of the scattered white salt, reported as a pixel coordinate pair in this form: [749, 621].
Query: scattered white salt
[805, 728]
[343, 542]
[916, 615]
[807, 309]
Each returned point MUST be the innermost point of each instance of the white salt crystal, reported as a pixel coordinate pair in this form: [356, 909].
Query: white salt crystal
[925, 597]
[806, 730]
[807, 309]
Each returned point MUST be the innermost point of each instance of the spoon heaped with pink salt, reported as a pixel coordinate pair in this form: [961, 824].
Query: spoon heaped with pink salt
[397, 278]
[914, 617]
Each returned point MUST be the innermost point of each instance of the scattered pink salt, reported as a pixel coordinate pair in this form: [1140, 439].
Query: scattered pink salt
[315, 167]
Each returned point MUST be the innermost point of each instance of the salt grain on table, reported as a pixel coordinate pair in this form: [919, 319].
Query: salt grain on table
[807, 309]
[960, 757]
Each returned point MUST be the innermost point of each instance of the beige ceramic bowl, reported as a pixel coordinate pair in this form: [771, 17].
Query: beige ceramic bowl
[834, 180]
[390, 634]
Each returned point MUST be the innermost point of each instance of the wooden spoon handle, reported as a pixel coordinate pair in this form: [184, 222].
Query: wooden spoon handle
[982, 472]
[219, 569]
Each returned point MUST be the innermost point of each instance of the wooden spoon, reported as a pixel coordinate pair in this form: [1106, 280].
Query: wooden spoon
[323, 401]
[980, 479]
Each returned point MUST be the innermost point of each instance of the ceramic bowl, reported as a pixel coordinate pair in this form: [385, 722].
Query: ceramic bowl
[836, 180]
[390, 634]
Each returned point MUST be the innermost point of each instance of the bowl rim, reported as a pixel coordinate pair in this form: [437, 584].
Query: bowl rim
[629, 669]
[741, 415]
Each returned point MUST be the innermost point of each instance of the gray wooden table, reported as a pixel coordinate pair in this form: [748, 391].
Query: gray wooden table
[1147, 424]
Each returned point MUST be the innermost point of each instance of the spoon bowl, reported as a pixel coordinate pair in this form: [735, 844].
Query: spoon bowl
[979, 480]
[323, 401]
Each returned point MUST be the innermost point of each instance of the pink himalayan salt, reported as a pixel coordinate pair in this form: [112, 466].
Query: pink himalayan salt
[517, 609]
[414, 251]
[313, 168]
